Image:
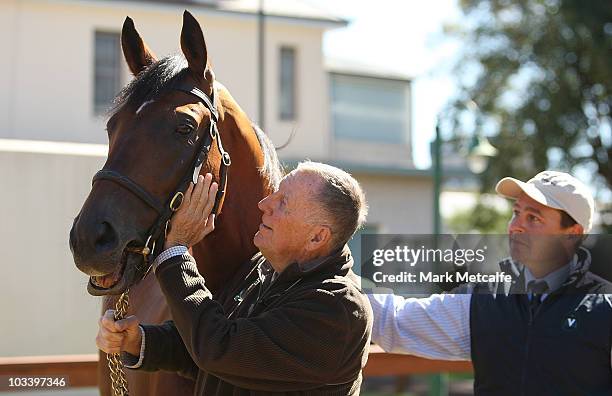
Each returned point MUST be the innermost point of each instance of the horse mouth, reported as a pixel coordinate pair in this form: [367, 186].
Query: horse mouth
[119, 280]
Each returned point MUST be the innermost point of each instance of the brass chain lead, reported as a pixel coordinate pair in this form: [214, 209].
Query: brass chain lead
[117, 375]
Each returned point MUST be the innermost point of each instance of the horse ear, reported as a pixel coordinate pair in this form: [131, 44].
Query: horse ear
[137, 54]
[193, 45]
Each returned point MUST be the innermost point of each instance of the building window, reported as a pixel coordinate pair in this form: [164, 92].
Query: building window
[287, 108]
[370, 109]
[107, 69]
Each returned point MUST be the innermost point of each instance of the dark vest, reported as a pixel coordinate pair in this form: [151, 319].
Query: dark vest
[562, 349]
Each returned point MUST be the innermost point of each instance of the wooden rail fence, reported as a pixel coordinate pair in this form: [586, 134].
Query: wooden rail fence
[81, 369]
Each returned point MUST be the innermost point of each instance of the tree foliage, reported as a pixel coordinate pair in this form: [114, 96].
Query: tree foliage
[541, 74]
[484, 218]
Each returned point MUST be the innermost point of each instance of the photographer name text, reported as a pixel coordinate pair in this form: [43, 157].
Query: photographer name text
[452, 277]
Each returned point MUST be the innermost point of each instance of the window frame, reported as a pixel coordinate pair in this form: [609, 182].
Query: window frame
[338, 108]
[293, 113]
[112, 72]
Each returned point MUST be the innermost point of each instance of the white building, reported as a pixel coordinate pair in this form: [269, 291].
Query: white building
[59, 60]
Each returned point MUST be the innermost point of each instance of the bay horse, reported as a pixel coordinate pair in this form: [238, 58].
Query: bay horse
[166, 125]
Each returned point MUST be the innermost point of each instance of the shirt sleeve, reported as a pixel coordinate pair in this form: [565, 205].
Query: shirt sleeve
[437, 327]
[168, 254]
[131, 361]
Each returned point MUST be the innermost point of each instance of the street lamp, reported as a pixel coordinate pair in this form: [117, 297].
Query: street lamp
[480, 150]
[478, 154]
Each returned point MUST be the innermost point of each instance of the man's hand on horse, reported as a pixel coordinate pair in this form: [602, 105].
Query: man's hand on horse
[194, 218]
[121, 335]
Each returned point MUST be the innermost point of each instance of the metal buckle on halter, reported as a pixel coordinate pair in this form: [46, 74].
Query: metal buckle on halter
[227, 160]
[178, 196]
[146, 250]
[145, 266]
[213, 129]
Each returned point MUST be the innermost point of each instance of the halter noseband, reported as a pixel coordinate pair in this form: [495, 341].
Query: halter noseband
[157, 233]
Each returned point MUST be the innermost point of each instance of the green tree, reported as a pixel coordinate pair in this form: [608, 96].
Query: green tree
[484, 218]
[541, 73]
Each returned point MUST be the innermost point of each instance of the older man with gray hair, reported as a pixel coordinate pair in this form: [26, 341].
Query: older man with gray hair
[295, 324]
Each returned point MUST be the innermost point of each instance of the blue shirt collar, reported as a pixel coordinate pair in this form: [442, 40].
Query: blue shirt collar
[555, 279]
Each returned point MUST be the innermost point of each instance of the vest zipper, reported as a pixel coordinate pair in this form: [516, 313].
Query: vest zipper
[532, 316]
[527, 343]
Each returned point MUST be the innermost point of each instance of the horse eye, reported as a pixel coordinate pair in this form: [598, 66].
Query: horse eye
[184, 129]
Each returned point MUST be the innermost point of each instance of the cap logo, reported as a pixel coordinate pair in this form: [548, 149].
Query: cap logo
[548, 180]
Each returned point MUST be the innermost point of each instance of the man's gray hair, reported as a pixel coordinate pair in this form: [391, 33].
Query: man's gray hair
[341, 199]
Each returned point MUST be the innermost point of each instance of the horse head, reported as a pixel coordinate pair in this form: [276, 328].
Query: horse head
[161, 130]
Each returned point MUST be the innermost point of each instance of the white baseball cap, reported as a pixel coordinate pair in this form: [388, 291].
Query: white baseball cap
[557, 190]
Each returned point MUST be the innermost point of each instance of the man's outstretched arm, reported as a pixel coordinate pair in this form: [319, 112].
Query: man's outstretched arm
[437, 327]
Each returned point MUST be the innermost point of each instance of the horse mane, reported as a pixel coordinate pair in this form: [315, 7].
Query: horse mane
[157, 79]
[272, 169]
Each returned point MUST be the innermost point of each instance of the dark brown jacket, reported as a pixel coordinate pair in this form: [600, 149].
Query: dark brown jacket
[305, 333]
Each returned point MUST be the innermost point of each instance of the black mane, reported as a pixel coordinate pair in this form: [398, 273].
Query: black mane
[160, 77]
[272, 169]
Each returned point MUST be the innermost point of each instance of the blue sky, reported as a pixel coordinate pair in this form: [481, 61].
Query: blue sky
[404, 36]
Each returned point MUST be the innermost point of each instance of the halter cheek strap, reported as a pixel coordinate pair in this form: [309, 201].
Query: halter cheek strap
[213, 133]
[208, 102]
[157, 232]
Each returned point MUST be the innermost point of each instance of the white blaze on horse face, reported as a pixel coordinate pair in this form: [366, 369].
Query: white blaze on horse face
[143, 105]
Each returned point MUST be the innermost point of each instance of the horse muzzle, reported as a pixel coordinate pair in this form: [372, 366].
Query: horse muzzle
[97, 251]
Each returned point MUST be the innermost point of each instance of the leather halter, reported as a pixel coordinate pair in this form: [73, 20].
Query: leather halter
[157, 232]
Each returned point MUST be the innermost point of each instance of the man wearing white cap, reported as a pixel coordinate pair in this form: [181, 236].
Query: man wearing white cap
[550, 333]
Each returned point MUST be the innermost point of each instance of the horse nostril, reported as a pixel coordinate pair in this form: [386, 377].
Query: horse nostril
[106, 237]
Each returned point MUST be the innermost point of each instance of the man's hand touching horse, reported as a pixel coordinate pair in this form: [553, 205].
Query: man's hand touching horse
[189, 225]
[194, 219]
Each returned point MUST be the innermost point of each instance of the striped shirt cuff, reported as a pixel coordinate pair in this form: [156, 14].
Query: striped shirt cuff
[167, 254]
[128, 359]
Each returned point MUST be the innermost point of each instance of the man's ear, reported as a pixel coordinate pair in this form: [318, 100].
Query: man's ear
[575, 235]
[320, 238]
[575, 231]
